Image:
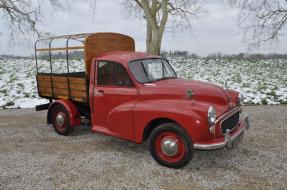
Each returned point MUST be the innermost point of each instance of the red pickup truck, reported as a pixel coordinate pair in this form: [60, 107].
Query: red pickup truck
[138, 97]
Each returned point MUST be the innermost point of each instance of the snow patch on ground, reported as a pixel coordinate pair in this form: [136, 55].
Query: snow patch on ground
[261, 81]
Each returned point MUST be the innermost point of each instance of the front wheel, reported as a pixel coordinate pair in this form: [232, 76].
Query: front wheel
[170, 145]
[60, 120]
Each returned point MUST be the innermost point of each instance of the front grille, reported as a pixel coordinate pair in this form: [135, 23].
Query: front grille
[230, 122]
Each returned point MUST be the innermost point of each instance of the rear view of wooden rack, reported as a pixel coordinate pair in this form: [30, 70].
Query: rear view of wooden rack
[74, 85]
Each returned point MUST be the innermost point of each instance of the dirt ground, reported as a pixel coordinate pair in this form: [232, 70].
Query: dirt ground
[33, 156]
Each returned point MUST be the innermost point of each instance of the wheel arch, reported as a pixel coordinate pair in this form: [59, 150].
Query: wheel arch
[74, 116]
[155, 123]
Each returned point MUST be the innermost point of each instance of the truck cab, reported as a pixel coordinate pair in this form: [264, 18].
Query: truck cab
[138, 97]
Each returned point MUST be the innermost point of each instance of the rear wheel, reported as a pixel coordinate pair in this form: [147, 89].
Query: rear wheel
[60, 120]
[170, 145]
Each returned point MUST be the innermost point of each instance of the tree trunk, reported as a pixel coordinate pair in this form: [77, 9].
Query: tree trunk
[155, 44]
[155, 28]
[148, 38]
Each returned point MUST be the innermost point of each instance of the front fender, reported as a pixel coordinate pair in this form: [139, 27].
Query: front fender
[74, 115]
[233, 96]
[187, 114]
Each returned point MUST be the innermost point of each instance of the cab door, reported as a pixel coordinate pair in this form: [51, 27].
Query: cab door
[113, 99]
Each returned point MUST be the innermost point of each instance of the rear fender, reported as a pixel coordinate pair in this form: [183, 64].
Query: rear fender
[75, 117]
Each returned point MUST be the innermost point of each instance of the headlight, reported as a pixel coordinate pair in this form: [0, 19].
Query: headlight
[240, 98]
[211, 115]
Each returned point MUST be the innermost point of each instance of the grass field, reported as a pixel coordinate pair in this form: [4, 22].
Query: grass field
[261, 81]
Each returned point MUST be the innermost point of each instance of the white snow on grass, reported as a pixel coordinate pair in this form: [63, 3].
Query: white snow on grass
[261, 81]
[18, 84]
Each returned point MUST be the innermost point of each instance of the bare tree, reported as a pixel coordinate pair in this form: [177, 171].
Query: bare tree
[23, 15]
[262, 20]
[158, 12]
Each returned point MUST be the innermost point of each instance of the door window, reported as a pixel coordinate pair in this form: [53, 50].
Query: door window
[113, 74]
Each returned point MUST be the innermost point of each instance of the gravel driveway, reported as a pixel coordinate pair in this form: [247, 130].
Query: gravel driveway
[33, 156]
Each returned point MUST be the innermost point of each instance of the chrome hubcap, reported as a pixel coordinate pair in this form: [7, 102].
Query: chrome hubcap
[60, 119]
[169, 147]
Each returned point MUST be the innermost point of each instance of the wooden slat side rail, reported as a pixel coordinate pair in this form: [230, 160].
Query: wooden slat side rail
[75, 95]
[43, 78]
[45, 90]
[42, 83]
[72, 80]
[73, 86]
[78, 87]
[61, 82]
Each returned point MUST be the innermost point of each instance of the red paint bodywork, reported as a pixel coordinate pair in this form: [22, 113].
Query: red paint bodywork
[126, 112]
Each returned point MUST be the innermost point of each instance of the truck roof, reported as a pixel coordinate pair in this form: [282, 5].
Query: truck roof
[125, 56]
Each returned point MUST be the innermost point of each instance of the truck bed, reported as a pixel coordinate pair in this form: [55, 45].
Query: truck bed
[73, 86]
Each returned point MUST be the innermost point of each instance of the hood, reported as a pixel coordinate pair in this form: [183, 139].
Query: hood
[202, 92]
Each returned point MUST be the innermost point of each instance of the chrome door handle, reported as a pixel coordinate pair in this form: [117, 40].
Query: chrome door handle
[99, 93]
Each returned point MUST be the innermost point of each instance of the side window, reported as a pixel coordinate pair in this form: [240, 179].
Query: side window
[113, 74]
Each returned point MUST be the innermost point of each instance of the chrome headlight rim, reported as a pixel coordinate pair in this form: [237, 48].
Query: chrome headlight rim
[211, 115]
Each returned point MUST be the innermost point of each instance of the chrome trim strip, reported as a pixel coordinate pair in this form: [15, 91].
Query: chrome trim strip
[230, 112]
[233, 113]
[225, 115]
[228, 139]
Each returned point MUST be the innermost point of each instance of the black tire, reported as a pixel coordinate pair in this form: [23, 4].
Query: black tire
[184, 154]
[66, 128]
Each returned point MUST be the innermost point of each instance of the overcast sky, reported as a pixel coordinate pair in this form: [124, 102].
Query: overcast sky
[216, 29]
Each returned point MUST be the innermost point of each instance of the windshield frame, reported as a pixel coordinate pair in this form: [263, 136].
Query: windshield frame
[167, 61]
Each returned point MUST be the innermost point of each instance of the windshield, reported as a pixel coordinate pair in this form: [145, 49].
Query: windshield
[151, 70]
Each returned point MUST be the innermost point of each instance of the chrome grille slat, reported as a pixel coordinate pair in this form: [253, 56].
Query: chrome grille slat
[230, 123]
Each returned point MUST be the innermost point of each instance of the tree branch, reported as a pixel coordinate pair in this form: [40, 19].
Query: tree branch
[148, 14]
[23, 15]
[261, 20]
[164, 15]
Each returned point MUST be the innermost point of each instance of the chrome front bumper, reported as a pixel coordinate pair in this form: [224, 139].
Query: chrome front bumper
[228, 138]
